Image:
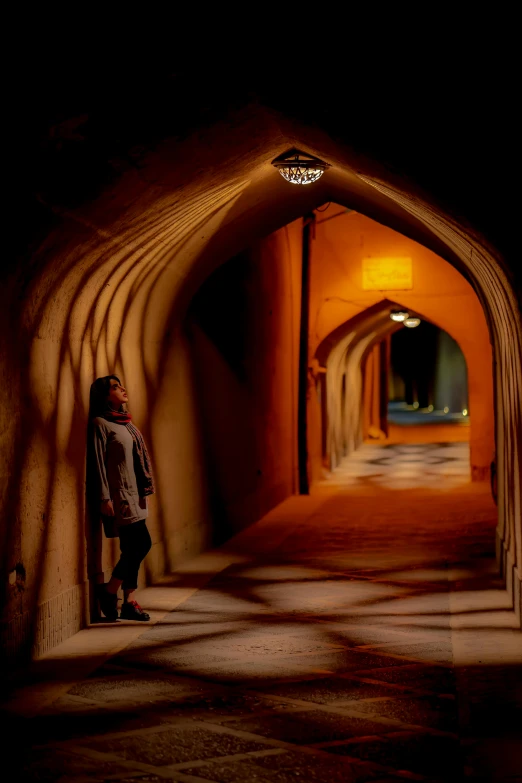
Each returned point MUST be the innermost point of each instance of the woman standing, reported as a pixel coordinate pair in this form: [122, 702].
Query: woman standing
[124, 480]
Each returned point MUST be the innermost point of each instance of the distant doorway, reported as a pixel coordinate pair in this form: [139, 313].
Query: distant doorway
[428, 379]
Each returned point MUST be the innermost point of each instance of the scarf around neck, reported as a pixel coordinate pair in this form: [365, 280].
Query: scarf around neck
[118, 417]
[142, 463]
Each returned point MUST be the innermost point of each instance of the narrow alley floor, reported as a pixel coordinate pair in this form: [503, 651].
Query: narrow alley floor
[357, 634]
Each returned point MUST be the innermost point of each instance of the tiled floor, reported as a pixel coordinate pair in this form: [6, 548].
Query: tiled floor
[359, 634]
[403, 466]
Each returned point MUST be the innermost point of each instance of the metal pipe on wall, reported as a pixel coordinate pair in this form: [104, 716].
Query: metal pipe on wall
[302, 411]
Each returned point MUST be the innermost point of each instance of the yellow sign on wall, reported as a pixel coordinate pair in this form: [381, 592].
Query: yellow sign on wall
[387, 274]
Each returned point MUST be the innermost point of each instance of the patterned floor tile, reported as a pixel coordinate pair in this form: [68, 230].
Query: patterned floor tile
[173, 745]
[329, 690]
[311, 726]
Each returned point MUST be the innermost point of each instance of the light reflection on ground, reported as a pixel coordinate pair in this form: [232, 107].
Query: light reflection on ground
[404, 466]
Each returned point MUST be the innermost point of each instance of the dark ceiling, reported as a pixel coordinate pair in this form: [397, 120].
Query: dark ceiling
[441, 111]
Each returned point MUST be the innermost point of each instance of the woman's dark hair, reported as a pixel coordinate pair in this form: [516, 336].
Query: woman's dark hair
[100, 394]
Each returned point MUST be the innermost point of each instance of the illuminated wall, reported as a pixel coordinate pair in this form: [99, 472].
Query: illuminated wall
[105, 285]
[438, 293]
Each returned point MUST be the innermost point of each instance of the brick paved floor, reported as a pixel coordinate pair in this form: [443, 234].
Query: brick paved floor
[359, 634]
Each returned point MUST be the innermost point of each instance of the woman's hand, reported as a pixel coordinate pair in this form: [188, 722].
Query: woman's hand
[107, 508]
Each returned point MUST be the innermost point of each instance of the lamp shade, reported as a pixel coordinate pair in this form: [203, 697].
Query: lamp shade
[399, 315]
[300, 169]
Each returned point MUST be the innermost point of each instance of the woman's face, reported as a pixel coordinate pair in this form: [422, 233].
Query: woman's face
[117, 394]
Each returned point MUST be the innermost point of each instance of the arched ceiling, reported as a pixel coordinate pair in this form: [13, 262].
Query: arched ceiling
[374, 321]
[120, 269]
[134, 180]
[437, 113]
[158, 229]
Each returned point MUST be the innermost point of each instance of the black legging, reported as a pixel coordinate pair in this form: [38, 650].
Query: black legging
[135, 542]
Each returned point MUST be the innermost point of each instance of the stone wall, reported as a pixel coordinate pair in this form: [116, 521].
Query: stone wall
[101, 281]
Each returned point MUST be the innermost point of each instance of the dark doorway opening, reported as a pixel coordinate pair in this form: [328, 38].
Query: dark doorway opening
[428, 381]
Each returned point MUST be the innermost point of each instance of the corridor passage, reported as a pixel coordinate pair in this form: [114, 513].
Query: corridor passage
[357, 634]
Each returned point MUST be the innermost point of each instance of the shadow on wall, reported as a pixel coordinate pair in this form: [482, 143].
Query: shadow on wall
[240, 327]
[218, 417]
[97, 298]
[89, 320]
[112, 301]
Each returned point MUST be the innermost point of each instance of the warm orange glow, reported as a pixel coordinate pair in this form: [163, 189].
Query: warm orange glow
[439, 295]
[387, 274]
[107, 291]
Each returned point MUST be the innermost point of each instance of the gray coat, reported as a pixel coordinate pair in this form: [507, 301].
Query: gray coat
[113, 449]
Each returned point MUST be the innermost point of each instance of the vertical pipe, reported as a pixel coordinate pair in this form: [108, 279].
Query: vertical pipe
[384, 378]
[324, 421]
[302, 412]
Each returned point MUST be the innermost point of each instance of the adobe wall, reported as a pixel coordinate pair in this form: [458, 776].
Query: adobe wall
[244, 327]
[100, 280]
[223, 448]
[439, 293]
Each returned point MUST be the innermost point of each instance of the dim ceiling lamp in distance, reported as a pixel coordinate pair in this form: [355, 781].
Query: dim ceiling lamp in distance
[399, 315]
[299, 168]
[411, 322]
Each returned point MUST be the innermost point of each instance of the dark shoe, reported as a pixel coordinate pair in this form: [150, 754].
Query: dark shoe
[108, 603]
[131, 610]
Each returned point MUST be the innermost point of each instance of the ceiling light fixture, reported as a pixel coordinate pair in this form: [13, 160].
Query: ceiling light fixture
[399, 315]
[299, 168]
[411, 322]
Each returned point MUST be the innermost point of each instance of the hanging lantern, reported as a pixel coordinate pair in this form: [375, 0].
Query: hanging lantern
[399, 316]
[299, 168]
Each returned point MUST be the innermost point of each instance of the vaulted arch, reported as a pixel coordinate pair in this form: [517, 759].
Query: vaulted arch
[341, 356]
[107, 290]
